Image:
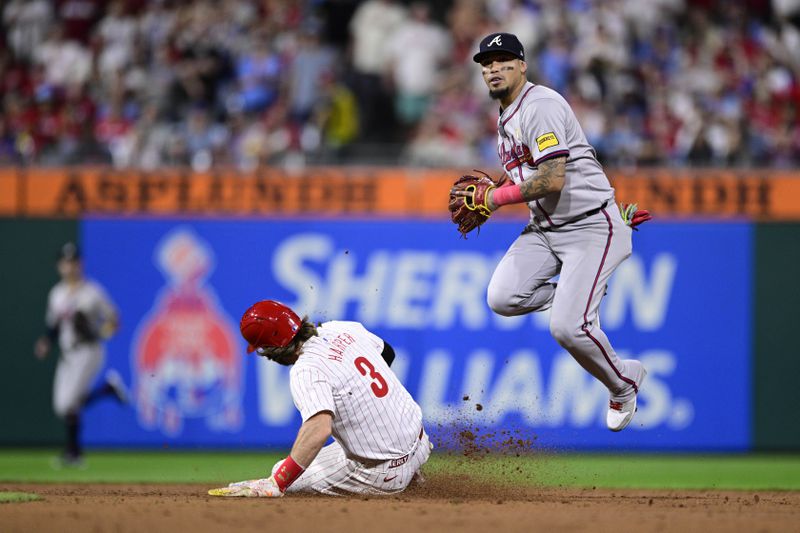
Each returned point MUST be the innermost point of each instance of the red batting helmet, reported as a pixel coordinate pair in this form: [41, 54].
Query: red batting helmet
[269, 323]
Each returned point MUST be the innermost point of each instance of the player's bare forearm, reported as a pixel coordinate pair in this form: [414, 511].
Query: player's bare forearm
[549, 178]
[311, 438]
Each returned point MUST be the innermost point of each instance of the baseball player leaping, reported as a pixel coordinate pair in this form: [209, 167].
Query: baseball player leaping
[343, 387]
[576, 230]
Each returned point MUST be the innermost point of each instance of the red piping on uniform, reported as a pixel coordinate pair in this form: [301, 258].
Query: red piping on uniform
[514, 163]
[545, 213]
[589, 303]
[551, 155]
[503, 123]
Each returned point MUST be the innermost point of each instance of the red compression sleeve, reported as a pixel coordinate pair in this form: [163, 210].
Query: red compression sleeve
[287, 473]
[508, 194]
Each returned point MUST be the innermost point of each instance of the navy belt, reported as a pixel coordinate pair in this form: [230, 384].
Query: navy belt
[532, 227]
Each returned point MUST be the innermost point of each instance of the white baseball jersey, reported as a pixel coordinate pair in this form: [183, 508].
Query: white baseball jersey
[65, 300]
[342, 371]
[540, 125]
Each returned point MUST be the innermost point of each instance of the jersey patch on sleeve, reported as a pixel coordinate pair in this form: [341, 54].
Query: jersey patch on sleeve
[546, 141]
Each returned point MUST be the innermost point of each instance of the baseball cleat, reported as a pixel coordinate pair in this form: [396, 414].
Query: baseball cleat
[620, 414]
[68, 461]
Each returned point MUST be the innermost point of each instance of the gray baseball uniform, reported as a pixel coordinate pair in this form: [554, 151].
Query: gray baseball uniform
[80, 360]
[576, 233]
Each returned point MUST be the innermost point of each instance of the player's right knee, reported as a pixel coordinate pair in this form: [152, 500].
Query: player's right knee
[501, 302]
[564, 332]
[64, 409]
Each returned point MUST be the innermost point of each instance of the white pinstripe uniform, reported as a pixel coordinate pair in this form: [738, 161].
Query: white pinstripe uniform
[80, 361]
[377, 426]
[576, 233]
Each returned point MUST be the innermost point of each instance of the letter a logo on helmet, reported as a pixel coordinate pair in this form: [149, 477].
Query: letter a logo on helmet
[496, 41]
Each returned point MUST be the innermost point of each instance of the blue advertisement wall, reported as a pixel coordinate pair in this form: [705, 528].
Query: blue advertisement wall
[680, 304]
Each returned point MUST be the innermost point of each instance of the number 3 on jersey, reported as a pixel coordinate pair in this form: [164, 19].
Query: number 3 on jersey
[379, 386]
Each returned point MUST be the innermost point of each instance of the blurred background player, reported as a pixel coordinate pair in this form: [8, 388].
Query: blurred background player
[343, 387]
[80, 317]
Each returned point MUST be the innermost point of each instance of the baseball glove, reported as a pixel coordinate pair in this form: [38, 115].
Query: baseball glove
[633, 216]
[470, 211]
[84, 331]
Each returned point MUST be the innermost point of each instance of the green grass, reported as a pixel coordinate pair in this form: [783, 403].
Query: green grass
[136, 467]
[16, 497]
[735, 472]
[739, 472]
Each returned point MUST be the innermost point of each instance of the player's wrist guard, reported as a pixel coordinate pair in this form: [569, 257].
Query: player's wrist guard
[510, 194]
[286, 473]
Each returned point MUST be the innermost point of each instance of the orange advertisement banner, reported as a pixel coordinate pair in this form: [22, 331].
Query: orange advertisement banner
[394, 192]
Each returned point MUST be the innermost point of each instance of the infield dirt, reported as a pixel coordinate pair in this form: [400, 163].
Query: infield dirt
[443, 504]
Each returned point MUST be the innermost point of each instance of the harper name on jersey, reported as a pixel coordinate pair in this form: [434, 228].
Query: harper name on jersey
[342, 371]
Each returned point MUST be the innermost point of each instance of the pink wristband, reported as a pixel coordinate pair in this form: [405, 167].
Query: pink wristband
[287, 473]
[508, 194]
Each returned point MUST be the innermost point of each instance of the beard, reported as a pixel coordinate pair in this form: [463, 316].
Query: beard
[497, 94]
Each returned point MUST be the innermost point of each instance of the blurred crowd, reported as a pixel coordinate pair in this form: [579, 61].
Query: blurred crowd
[243, 83]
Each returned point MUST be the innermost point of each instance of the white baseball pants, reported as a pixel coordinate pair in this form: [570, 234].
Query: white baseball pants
[332, 473]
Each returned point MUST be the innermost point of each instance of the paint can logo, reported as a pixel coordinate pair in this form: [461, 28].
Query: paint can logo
[186, 361]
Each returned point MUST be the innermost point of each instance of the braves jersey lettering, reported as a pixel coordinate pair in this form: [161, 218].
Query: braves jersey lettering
[341, 371]
[518, 155]
[540, 125]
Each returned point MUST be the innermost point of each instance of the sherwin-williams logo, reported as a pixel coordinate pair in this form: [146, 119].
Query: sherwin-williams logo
[186, 362]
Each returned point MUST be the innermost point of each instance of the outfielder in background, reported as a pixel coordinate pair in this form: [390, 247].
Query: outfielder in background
[343, 387]
[80, 317]
[576, 230]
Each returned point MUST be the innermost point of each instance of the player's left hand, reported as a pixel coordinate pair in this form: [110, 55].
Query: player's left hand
[470, 202]
[633, 216]
[253, 488]
[41, 348]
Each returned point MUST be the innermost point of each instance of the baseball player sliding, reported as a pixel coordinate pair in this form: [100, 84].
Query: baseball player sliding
[80, 316]
[343, 387]
[576, 230]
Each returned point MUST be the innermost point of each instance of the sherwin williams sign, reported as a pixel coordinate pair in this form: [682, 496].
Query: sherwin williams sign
[679, 304]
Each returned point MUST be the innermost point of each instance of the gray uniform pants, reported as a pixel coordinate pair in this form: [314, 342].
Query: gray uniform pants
[75, 374]
[585, 254]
